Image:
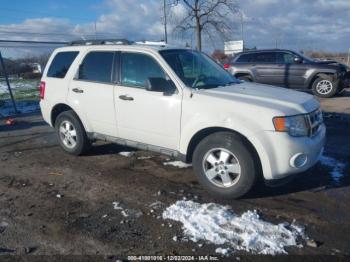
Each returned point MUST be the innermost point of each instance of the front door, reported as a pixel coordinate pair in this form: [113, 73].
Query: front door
[294, 73]
[267, 70]
[146, 116]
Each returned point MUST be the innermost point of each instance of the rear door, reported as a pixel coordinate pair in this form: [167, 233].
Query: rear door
[91, 91]
[267, 71]
[143, 116]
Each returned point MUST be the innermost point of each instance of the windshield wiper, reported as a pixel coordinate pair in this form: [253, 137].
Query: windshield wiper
[206, 86]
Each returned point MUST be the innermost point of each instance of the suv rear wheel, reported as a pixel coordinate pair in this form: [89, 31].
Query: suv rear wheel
[224, 165]
[323, 87]
[245, 78]
[71, 133]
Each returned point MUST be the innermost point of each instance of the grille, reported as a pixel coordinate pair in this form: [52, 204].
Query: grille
[315, 120]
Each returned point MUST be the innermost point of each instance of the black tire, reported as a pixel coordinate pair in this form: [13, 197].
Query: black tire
[245, 78]
[332, 92]
[82, 142]
[241, 151]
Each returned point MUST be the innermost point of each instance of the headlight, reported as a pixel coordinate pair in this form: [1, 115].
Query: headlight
[293, 125]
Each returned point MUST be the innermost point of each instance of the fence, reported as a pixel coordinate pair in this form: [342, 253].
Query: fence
[20, 77]
[21, 65]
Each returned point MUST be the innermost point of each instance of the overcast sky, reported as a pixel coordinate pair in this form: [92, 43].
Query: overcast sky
[295, 24]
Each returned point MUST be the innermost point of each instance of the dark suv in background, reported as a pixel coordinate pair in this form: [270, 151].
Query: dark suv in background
[290, 69]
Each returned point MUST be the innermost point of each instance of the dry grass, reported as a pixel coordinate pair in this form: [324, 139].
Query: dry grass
[323, 55]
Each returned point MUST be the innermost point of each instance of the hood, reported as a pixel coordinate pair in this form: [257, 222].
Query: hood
[277, 98]
[326, 62]
[330, 63]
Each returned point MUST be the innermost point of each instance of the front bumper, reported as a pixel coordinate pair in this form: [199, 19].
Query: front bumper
[346, 80]
[292, 155]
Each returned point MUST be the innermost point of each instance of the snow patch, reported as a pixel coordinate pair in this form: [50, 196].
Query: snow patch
[178, 164]
[219, 225]
[116, 206]
[126, 154]
[223, 251]
[156, 205]
[337, 167]
[144, 157]
[133, 213]
[18, 85]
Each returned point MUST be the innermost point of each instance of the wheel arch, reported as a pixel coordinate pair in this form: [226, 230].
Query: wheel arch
[326, 75]
[201, 134]
[237, 75]
[61, 107]
[56, 110]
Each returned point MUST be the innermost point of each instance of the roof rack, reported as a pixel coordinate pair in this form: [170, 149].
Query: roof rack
[102, 42]
[152, 43]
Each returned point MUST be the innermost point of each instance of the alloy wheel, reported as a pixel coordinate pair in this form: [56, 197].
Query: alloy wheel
[221, 167]
[324, 87]
[68, 134]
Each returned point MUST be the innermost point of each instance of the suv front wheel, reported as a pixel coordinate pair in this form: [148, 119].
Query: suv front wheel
[325, 88]
[71, 133]
[224, 165]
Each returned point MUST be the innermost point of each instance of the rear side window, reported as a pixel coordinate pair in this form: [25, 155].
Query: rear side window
[245, 58]
[269, 57]
[97, 67]
[61, 64]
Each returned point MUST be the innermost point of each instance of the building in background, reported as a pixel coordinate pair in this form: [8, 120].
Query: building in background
[36, 68]
[233, 47]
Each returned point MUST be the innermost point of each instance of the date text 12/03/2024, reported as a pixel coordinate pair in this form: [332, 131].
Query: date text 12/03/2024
[173, 258]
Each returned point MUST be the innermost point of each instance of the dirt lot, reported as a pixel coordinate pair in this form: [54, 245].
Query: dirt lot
[55, 204]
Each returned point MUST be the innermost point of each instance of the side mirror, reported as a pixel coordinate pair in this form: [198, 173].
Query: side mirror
[298, 60]
[159, 84]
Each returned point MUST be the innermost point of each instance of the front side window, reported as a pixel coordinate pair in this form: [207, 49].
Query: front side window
[61, 64]
[268, 57]
[97, 67]
[196, 69]
[137, 68]
[285, 58]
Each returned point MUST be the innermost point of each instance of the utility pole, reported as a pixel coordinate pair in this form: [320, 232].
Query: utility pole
[165, 22]
[242, 24]
[8, 83]
[95, 30]
[348, 57]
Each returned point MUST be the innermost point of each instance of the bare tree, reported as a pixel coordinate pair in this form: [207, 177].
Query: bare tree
[206, 16]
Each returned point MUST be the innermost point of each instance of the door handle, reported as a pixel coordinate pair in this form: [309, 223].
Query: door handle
[125, 97]
[78, 90]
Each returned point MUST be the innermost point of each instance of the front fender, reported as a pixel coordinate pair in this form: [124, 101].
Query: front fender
[248, 130]
[326, 73]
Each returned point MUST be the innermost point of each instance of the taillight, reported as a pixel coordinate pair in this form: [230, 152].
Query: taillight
[227, 66]
[42, 89]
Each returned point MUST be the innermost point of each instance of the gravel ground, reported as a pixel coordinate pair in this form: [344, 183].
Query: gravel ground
[55, 204]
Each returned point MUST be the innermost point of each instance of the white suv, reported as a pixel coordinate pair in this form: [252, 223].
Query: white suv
[181, 103]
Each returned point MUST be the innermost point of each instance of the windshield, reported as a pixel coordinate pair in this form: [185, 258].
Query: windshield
[197, 70]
